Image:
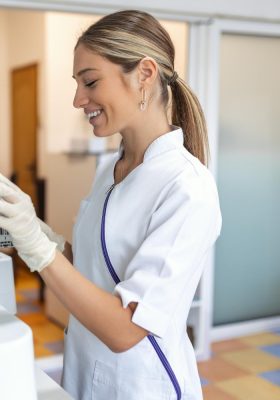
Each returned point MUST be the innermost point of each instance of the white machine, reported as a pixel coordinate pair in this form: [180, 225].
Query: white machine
[20, 378]
[17, 375]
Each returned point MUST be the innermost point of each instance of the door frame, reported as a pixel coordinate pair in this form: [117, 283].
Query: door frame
[210, 94]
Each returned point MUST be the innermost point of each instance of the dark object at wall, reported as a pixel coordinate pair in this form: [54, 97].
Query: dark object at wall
[41, 191]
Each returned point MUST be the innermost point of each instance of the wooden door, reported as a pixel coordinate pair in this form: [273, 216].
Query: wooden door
[24, 129]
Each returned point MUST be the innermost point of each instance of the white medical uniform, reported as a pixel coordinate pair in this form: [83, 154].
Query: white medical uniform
[161, 221]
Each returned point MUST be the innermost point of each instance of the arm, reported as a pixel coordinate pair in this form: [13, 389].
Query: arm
[99, 311]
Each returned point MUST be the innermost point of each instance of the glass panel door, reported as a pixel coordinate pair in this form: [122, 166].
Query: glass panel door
[247, 274]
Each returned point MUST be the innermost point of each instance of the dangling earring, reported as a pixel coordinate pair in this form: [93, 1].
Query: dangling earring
[143, 102]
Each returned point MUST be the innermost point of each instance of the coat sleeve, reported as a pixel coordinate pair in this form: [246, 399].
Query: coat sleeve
[181, 231]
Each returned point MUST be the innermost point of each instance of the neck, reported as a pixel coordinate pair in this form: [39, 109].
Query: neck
[136, 141]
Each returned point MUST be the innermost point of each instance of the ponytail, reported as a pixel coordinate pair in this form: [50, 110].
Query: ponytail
[187, 113]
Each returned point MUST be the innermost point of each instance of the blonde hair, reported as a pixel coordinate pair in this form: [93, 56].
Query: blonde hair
[124, 38]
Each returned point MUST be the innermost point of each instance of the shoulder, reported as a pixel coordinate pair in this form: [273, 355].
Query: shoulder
[196, 177]
[190, 198]
[188, 178]
[190, 195]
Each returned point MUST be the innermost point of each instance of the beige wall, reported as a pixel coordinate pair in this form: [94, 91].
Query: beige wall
[5, 166]
[25, 37]
[19, 47]
[69, 181]
[179, 33]
[63, 121]
[68, 178]
[47, 39]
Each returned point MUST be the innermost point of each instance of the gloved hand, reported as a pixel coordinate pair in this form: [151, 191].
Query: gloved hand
[54, 237]
[18, 217]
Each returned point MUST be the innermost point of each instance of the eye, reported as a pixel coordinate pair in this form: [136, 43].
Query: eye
[90, 84]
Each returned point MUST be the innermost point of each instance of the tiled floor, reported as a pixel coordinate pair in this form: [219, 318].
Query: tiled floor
[48, 336]
[247, 368]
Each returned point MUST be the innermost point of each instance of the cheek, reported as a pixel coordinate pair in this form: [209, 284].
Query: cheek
[123, 105]
[127, 102]
[119, 102]
[126, 112]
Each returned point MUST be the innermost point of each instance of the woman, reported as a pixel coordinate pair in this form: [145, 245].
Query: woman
[144, 231]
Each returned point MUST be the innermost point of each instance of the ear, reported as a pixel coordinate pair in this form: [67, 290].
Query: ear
[147, 71]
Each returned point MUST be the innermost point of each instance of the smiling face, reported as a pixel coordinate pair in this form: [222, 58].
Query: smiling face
[109, 97]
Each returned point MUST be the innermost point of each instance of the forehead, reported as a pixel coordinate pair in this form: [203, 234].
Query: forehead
[85, 59]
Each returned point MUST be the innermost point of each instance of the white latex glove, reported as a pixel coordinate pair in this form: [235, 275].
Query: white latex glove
[54, 237]
[18, 217]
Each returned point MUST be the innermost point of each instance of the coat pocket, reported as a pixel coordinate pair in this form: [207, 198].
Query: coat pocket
[117, 384]
[104, 382]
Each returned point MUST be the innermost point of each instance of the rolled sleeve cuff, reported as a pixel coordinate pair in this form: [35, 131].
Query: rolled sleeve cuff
[153, 320]
[150, 319]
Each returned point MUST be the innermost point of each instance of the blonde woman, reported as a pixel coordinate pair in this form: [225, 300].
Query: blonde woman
[143, 232]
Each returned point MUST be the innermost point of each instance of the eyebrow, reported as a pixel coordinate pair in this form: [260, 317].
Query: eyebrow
[84, 71]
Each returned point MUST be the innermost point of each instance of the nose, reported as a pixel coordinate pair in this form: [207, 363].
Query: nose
[80, 99]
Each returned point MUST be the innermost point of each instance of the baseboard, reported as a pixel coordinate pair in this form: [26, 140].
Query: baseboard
[232, 331]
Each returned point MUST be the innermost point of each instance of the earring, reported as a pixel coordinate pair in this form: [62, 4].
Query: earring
[143, 102]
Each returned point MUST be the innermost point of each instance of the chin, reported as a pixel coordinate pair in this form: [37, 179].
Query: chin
[99, 132]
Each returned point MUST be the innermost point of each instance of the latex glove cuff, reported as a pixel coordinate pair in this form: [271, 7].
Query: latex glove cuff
[54, 237]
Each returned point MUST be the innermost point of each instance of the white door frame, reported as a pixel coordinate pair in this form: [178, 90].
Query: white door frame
[211, 96]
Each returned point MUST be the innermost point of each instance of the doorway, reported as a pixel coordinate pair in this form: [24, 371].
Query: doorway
[24, 129]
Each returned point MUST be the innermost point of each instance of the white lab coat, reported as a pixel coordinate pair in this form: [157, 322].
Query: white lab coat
[161, 221]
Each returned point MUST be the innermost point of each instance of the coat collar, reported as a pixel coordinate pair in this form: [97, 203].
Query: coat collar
[168, 141]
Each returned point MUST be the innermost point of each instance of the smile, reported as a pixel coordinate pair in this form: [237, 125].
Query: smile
[94, 114]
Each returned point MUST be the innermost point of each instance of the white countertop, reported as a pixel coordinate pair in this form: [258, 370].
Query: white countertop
[47, 388]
